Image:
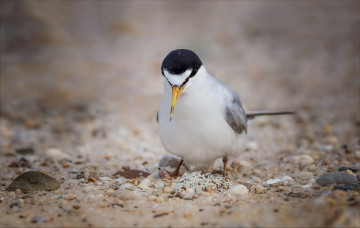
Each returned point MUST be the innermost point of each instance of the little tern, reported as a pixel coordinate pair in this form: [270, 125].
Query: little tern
[208, 118]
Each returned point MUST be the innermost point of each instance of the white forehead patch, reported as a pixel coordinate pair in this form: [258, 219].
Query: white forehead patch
[177, 79]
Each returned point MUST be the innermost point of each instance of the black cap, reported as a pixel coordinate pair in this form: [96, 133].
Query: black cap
[181, 60]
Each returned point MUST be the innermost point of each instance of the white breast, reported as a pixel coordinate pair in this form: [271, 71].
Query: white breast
[198, 131]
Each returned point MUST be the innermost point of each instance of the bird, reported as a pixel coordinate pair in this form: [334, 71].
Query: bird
[200, 119]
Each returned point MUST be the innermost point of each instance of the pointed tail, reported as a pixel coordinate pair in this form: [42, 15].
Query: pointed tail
[253, 114]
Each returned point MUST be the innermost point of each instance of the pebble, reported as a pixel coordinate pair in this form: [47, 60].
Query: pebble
[38, 219]
[132, 173]
[241, 166]
[200, 180]
[168, 160]
[346, 187]
[34, 181]
[237, 189]
[336, 178]
[70, 197]
[251, 146]
[310, 184]
[127, 186]
[258, 189]
[282, 180]
[25, 151]
[159, 184]
[14, 205]
[347, 168]
[125, 194]
[56, 154]
[145, 184]
[301, 160]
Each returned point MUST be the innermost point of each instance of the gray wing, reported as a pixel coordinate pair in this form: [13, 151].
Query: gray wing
[235, 115]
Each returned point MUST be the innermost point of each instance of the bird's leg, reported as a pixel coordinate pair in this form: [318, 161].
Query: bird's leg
[225, 160]
[176, 172]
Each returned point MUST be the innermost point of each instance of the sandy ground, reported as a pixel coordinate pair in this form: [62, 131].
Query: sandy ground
[81, 85]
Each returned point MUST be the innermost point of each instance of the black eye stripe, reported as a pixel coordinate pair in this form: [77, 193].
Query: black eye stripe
[194, 71]
[168, 81]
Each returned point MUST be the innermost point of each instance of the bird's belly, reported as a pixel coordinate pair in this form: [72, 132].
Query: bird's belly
[198, 137]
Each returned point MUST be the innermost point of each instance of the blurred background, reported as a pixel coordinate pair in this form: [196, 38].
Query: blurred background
[84, 76]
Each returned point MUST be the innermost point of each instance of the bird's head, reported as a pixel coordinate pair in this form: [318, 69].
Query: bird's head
[179, 67]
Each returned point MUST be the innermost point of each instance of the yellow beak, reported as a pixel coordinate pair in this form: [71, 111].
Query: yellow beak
[176, 91]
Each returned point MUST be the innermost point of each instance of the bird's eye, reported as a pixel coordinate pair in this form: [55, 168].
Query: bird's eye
[193, 72]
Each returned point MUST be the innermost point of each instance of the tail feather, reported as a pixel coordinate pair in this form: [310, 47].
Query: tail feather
[253, 114]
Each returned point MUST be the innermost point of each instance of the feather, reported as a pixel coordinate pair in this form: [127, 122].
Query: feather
[253, 114]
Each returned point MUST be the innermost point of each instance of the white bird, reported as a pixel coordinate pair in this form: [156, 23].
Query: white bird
[208, 118]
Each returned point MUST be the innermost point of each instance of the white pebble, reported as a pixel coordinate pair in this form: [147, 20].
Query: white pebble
[144, 184]
[127, 186]
[302, 160]
[238, 189]
[56, 154]
[251, 146]
[284, 180]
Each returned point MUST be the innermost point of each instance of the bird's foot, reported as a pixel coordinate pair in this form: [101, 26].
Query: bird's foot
[173, 174]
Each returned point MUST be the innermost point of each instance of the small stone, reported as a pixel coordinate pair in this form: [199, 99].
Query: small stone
[145, 184]
[127, 186]
[346, 187]
[251, 146]
[91, 179]
[14, 165]
[159, 184]
[14, 205]
[302, 160]
[34, 181]
[258, 189]
[65, 165]
[123, 194]
[117, 205]
[348, 171]
[241, 166]
[310, 184]
[70, 197]
[282, 180]
[24, 163]
[25, 151]
[131, 173]
[160, 214]
[38, 219]
[348, 168]
[296, 195]
[209, 190]
[55, 154]
[76, 207]
[238, 189]
[336, 178]
[328, 128]
[31, 124]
